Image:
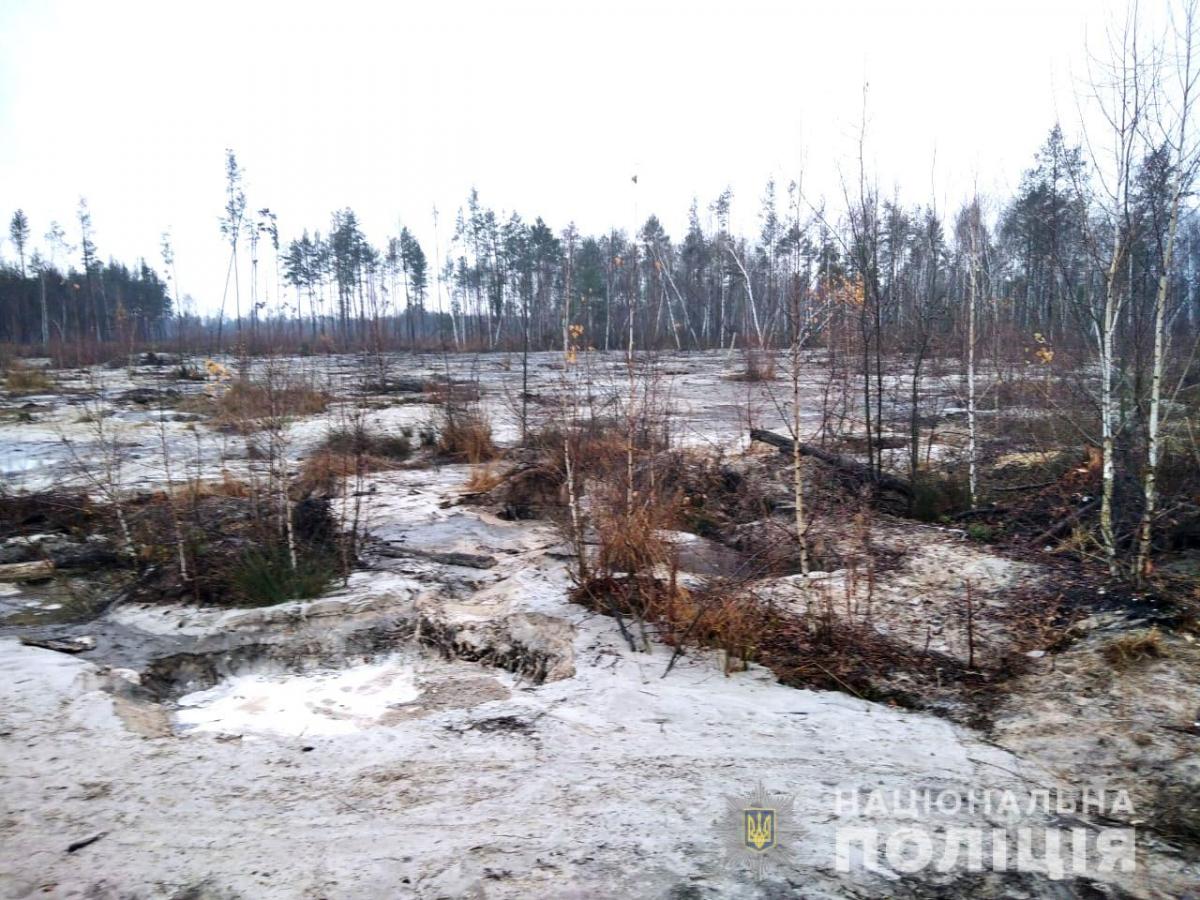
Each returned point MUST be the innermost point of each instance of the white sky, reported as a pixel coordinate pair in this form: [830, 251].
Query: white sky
[546, 107]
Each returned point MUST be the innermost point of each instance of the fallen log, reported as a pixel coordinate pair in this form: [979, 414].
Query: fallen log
[980, 511]
[1064, 524]
[1005, 489]
[86, 842]
[843, 464]
[396, 386]
[64, 645]
[453, 558]
[26, 571]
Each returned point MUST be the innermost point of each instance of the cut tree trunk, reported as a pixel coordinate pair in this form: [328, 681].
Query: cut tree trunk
[450, 558]
[26, 571]
[1064, 524]
[843, 464]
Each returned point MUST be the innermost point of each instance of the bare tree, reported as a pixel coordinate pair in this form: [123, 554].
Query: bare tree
[1119, 91]
[972, 305]
[1176, 137]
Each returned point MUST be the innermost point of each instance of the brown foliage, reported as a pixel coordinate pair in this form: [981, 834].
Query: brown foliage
[251, 405]
[466, 436]
[21, 380]
[1129, 649]
[631, 539]
[228, 486]
[325, 470]
[483, 478]
[361, 441]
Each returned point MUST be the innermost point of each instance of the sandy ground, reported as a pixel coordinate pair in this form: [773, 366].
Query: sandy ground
[47, 439]
[414, 773]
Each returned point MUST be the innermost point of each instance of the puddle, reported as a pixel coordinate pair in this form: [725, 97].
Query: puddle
[322, 702]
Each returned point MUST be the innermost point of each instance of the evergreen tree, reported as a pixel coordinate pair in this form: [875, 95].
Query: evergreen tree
[18, 230]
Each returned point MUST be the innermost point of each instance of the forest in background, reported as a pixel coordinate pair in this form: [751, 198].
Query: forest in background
[1040, 261]
[1083, 284]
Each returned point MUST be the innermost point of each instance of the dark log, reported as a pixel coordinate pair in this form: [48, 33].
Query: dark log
[843, 464]
[453, 558]
[1022, 487]
[975, 513]
[64, 645]
[86, 842]
[1059, 527]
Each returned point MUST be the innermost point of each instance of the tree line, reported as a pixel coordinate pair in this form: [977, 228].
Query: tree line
[48, 297]
[506, 282]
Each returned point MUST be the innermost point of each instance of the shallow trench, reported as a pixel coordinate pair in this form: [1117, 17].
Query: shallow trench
[327, 678]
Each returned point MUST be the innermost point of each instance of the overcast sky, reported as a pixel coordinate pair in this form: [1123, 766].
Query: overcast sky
[548, 108]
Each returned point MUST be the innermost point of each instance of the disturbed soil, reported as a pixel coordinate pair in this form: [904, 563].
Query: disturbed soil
[446, 723]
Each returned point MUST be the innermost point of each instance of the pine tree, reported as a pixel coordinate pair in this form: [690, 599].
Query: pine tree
[18, 230]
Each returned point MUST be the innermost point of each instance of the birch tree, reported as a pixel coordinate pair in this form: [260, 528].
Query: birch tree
[1119, 93]
[1183, 165]
[972, 307]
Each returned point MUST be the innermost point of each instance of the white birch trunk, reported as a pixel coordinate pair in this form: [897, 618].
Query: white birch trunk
[972, 466]
[1107, 412]
[797, 471]
[1153, 444]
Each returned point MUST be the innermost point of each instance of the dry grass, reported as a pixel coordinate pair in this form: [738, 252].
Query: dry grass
[466, 435]
[1129, 649]
[360, 441]
[631, 540]
[599, 447]
[228, 486]
[820, 649]
[826, 650]
[253, 400]
[250, 405]
[324, 471]
[720, 618]
[20, 380]
[457, 393]
[321, 474]
[349, 453]
[483, 478]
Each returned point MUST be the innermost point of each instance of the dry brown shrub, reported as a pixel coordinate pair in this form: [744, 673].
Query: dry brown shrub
[322, 472]
[466, 435]
[825, 650]
[249, 405]
[598, 446]
[1123, 652]
[228, 486]
[325, 470]
[718, 618]
[533, 492]
[361, 441]
[483, 478]
[21, 380]
[444, 392]
[632, 540]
